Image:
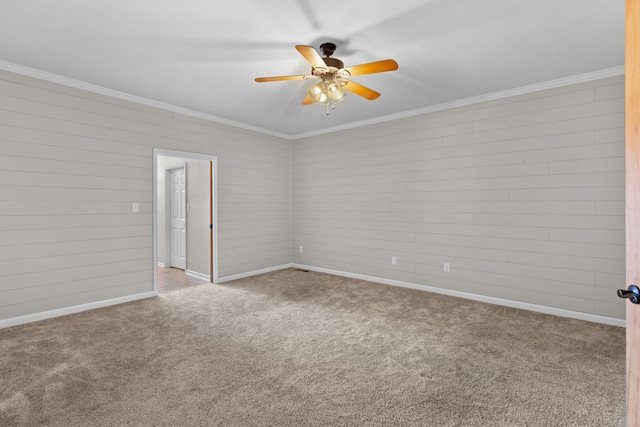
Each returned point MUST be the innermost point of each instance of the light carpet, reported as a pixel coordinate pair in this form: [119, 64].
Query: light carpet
[294, 348]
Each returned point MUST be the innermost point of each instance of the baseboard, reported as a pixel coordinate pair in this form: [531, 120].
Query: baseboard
[253, 273]
[491, 300]
[15, 321]
[20, 320]
[196, 274]
[162, 264]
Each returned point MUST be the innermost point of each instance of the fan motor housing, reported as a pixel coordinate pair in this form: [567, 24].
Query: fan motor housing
[333, 62]
[334, 67]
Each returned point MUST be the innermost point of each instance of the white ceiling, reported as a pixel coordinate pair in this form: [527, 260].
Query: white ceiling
[203, 55]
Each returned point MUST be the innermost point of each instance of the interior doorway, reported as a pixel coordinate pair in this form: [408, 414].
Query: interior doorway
[184, 219]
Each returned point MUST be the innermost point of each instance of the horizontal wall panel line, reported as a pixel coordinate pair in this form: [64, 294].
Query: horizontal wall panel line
[74, 292]
[532, 191]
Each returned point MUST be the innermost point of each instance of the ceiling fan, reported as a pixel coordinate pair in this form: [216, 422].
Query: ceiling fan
[334, 77]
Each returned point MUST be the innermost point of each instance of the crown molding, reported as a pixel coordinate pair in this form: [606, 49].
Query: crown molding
[566, 81]
[78, 84]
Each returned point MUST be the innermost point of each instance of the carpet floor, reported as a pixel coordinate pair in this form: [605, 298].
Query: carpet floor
[294, 348]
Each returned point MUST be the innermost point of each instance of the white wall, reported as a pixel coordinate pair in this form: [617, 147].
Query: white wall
[71, 164]
[524, 196]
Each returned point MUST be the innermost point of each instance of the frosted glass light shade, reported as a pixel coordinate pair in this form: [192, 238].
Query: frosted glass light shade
[335, 92]
[316, 92]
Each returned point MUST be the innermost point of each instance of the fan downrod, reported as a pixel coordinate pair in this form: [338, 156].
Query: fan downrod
[327, 49]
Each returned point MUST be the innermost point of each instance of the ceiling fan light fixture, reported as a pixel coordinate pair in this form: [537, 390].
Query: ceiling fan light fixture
[316, 91]
[335, 92]
[339, 97]
[323, 98]
[334, 78]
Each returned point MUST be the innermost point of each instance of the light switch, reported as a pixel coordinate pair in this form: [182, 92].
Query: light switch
[135, 207]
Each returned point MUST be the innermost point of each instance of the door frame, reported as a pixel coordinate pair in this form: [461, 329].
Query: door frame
[167, 211]
[213, 186]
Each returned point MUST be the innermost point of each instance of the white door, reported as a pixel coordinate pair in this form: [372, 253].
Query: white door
[178, 222]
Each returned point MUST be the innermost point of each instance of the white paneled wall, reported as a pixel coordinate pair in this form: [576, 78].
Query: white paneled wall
[523, 196]
[72, 163]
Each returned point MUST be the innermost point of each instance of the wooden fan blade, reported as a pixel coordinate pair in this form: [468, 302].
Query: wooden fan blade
[307, 100]
[373, 67]
[363, 91]
[312, 56]
[280, 78]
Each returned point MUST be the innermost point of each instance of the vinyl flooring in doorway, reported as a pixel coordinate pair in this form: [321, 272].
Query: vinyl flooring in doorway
[172, 279]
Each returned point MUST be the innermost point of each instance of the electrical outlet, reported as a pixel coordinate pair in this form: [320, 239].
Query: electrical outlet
[447, 267]
[301, 249]
[394, 260]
